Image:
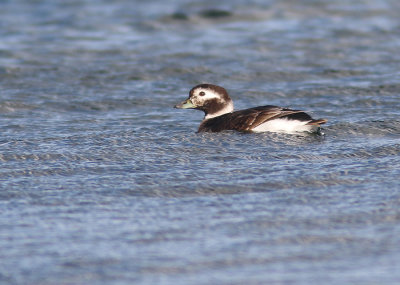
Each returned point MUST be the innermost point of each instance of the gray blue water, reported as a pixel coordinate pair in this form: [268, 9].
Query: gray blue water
[103, 182]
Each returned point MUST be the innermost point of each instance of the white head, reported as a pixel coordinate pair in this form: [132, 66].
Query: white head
[213, 100]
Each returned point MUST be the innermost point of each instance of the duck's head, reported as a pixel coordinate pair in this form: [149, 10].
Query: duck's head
[213, 100]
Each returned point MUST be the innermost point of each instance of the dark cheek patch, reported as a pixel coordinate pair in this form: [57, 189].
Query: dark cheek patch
[213, 106]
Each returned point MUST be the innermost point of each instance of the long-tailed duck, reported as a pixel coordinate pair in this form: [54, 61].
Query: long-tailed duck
[217, 106]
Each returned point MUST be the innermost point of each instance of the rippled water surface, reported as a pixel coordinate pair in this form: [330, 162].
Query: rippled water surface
[103, 182]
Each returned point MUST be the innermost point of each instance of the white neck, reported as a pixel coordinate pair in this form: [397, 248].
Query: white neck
[227, 109]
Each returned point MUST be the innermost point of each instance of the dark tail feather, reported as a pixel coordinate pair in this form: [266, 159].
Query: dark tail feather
[317, 122]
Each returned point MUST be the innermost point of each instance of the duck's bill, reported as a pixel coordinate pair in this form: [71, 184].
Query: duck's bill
[187, 104]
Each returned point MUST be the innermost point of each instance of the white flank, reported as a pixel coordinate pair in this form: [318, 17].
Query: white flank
[227, 109]
[285, 126]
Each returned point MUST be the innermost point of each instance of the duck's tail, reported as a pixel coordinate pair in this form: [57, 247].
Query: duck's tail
[317, 122]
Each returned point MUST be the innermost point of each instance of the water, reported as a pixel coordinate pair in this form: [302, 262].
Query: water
[103, 182]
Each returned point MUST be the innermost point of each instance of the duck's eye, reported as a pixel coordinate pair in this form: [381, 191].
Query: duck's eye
[202, 93]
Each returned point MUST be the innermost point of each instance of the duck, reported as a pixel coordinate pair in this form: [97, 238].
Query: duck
[219, 114]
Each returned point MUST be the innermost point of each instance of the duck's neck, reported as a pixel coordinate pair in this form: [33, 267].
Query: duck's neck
[227, 108]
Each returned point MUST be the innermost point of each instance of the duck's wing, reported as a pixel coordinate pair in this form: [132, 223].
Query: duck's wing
[248, 119]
